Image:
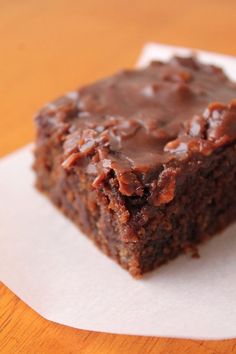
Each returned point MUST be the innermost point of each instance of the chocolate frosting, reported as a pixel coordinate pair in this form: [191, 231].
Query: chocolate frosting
[137, 121]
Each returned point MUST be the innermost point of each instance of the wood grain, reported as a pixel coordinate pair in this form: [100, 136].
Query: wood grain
[48, 47]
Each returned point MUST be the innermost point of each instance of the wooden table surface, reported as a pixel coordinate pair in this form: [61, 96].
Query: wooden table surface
[48, 47]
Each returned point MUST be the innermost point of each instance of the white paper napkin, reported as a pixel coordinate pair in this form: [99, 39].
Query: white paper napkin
[49, 264]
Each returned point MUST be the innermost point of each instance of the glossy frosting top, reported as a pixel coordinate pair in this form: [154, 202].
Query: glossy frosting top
[138, 120]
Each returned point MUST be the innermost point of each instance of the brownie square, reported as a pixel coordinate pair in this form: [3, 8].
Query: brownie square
[144, 162]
